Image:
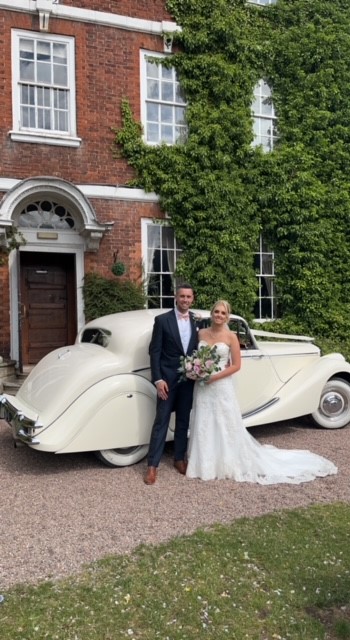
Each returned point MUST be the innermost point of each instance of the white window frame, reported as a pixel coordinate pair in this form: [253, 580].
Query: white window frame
[265, 119]
[173, 105]
[262, 2]
[20, 133]
[147, 268]
[266, 280]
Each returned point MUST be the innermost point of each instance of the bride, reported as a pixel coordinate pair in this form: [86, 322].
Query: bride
[220, 446]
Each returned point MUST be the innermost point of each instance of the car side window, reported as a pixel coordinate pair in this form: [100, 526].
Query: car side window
[97, 336]
[243, 334]
[240, 329]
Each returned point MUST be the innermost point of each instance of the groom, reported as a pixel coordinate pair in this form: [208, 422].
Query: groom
[174, 335]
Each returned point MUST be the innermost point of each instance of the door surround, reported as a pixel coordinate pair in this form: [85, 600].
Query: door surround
[86, 236]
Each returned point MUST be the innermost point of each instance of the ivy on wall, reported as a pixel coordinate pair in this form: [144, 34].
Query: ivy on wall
[221, 192]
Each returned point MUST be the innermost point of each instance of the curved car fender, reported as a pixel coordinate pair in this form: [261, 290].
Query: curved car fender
[114, 413]
[301, 394]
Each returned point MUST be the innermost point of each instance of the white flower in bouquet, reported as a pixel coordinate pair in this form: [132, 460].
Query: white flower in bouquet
[200, 365]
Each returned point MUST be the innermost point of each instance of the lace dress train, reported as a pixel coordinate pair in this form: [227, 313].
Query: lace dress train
[221, 447]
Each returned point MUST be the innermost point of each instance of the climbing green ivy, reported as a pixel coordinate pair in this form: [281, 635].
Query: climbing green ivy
[221, 192]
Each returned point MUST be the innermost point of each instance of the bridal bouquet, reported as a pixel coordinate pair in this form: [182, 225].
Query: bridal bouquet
[200, 365]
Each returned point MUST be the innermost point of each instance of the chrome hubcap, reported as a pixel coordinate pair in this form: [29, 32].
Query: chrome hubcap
[333, 404]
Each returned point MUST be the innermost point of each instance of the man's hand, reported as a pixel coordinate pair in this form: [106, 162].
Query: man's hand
[162, 389]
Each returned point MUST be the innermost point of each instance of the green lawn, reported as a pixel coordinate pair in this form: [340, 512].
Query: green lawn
[285, 575]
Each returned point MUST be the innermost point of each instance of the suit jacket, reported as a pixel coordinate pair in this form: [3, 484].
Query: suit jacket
[166, 348]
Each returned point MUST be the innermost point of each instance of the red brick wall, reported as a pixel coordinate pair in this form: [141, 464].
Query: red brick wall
[144, 9]
[124, 237]
[107, 70]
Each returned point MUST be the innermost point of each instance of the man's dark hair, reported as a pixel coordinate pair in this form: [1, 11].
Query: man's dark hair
[184, 285]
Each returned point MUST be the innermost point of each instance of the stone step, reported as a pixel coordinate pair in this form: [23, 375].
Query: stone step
[12, 385]
[13, 381]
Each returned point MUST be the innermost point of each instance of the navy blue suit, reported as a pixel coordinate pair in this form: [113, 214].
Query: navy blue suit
[165, 351]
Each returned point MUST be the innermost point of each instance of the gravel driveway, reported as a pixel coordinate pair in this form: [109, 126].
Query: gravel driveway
[59, 512]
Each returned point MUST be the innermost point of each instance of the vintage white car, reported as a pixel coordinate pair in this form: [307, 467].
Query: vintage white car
[96, 395]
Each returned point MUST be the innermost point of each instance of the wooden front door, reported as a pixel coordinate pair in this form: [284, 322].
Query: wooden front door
[48, 304]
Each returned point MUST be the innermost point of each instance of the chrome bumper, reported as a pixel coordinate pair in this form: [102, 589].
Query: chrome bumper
[23, 428]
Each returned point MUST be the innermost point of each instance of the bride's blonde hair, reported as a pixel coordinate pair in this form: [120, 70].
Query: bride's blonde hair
[224, 304]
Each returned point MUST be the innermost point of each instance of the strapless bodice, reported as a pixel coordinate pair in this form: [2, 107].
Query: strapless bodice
[222, 350]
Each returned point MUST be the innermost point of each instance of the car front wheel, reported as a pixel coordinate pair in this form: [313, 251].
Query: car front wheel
[122, 457]
[334, 409]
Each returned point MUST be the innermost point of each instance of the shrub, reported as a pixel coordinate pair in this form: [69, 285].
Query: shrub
[103, 296]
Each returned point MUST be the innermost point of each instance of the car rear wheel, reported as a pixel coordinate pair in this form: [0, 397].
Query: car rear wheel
[334, 409]
[122, 457]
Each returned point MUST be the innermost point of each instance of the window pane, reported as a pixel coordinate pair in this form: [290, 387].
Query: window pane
[166, 133]
[265, 127]
[167, 92]
[179, 95]
[152, 69]
[60, 75]
[179, 115]
[44, 119]
[153, 235]
[26, 70]
[152, 133]
[256, 105]
[167, 73]
[166, 114]
[61, 121]
[153, 90]
[26, 48]
[60, 53]
[266, 107]
[27, 94]
[44, 72]
[168, 237]
[28, 117]
[164, 264]
[43, 51]
[43, 97]
[60, 99]
[180, 134]
[152, 111]
[267, 264]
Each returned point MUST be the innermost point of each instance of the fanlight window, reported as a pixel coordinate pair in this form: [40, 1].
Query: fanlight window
[46, 214]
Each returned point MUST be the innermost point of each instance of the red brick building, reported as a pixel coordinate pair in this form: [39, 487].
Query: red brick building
[65, 68]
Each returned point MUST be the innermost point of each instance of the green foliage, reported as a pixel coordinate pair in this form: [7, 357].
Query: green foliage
[103, 296]
[220, 192]
[14, 240]
[283, 575]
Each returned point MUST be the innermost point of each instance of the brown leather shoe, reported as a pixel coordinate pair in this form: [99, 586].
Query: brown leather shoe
[180, 466]
[151, 475]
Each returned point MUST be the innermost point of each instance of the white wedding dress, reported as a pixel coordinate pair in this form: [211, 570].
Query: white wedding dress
[221, 447]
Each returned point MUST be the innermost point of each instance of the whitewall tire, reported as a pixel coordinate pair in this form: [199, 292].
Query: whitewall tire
[334, 409]
[122, 457]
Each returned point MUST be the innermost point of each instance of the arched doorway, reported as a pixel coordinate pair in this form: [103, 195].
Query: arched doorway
[58, 225]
